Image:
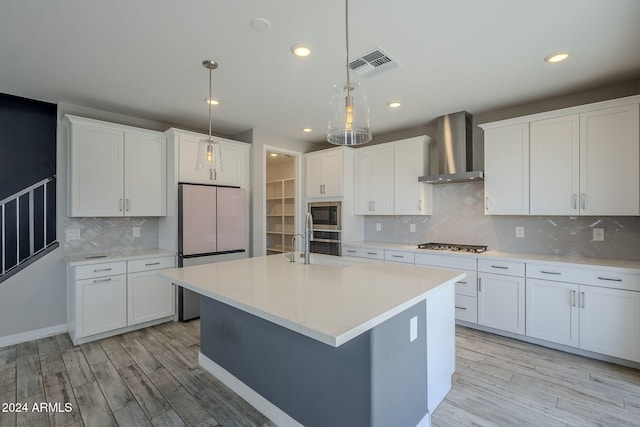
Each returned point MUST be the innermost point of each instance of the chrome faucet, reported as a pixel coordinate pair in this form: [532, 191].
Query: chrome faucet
[308, 237]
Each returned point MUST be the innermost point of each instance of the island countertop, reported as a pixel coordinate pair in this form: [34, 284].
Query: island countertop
[331, 300]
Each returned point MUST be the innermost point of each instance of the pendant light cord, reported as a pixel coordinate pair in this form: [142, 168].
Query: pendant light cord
[346, 19]
[209, 102]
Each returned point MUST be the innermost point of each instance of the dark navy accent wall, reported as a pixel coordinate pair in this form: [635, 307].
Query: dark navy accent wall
[376, 379]
[27, 143]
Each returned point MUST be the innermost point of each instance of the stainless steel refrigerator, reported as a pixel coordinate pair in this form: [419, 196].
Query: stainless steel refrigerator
[211, 228]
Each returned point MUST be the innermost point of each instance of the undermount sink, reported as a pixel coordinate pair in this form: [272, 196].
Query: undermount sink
[329, 260]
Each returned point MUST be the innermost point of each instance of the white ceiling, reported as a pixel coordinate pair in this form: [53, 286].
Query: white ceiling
[144, 57]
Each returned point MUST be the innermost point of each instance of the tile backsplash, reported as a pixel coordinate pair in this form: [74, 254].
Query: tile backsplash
[458, 217]
[100, 235]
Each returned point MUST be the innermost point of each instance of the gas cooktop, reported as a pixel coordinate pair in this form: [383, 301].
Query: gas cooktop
[476, 249]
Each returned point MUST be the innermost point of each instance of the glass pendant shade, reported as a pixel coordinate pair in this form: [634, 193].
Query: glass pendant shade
[209, 155]
[349, 121]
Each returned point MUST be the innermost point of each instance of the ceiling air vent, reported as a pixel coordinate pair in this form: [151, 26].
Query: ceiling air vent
[373, 63]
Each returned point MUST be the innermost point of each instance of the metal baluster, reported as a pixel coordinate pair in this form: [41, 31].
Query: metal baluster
[2, 231]
[31, 224]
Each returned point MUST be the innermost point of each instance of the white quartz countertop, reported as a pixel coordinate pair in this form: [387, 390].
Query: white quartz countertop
[331, 300]
[95, 258]
[586, 262]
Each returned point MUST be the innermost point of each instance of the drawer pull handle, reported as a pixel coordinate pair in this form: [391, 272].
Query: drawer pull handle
[108, 279]
[152, 263]
[350, 251]
[502, 267]
[573, 298]
[372, 253]
[398, 256]
[479, 284]
[582, 298]
[98, 270]
[461, 308]
[610, 279]
[557, 273]
[462, 282]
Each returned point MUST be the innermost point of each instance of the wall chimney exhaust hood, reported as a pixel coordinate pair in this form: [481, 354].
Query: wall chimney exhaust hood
[455, 151]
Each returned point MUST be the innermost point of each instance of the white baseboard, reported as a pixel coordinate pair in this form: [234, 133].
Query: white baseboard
[32, 335]
[271, 411]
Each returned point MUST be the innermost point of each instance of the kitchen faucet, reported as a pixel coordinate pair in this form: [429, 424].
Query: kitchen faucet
[308, 236]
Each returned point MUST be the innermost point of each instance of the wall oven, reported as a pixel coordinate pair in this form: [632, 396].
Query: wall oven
[326, 228]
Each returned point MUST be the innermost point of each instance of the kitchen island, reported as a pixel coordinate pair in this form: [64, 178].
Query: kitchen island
[335, 342]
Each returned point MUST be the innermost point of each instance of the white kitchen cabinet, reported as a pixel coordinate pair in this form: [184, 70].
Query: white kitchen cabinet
[411, 197]
[115, 170]
[373, 178]
[506, 162]
[405, 257]
[610, 322]
[501, 295]
[149, 297]
[325, 173]
[363, 252]
[108, 298]
[234, 157]
[555, 166]
[609, 166]
[552, 312]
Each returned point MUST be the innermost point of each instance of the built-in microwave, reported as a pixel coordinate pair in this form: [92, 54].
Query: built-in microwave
[326, 215]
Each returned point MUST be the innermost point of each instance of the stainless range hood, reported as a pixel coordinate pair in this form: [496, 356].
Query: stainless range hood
[455, 151]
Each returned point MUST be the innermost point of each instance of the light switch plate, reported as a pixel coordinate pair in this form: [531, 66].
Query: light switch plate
[73, 234]
[136, 231]
[378, 226]
[412, 228]
[519, 232]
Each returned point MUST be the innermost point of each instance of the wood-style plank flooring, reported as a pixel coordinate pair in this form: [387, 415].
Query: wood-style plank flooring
[152, 378]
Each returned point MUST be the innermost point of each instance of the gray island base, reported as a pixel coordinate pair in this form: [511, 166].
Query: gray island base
[382, 356]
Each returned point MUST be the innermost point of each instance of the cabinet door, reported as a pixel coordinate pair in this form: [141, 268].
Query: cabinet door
[609, 320]
[314, 176]
[552, 311]
[555, 166]
[501, 302]
[150, 297]
[382, 181]
[609, 167]
[102, 304]
[411, 197]
[333, 174]
[362, 170]
[145, 180]
[506, 162]
[96, 161]
[234, 159]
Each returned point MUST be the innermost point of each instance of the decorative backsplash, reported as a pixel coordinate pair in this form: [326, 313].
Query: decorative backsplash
[100, 235]
[458, 217]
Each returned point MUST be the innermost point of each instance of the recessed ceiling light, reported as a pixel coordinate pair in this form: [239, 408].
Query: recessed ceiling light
[556, 57]
[393, 104]
[306, 130]
[260, 24]
[212, 101]
[273, 154]
[300, 50]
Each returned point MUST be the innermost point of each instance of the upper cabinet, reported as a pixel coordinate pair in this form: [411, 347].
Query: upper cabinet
[325, 173]
[115, 170]
[577, 161]
[234, 160]
[386, 179]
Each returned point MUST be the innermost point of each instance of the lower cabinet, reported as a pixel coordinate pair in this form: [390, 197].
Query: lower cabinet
[602, 319]
[501, 297]
[105, 298]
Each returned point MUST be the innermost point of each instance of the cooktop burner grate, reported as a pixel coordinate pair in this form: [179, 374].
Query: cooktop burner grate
[476, 249]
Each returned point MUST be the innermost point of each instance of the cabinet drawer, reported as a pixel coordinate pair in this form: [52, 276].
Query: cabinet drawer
[596, 277]
[456, 262]
[469, 285]
[467, 308]
[363, 252]
[399, 256]
[511, 268]
[100, 270]
[149, 264]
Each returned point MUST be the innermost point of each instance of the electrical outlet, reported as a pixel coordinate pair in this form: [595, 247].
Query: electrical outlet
[136, 231]
[519, 232]
[412, 228]
[73, 234]
[413, 328]
[598, 234]
[378, 226]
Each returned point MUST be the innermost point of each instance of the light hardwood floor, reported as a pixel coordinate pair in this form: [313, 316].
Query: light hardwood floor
[151, 377]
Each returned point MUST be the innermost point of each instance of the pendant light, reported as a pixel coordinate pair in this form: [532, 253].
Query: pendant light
[209, 153]
[349, 122]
